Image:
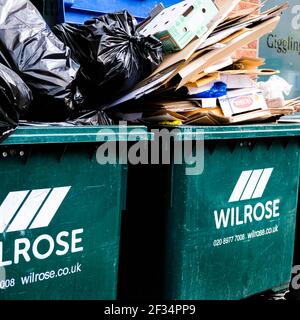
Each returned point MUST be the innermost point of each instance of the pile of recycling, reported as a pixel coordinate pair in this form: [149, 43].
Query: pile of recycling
[175, 67]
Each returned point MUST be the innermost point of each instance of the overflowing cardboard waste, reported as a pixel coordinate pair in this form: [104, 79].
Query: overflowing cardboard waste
[224, 89]
[175, 67]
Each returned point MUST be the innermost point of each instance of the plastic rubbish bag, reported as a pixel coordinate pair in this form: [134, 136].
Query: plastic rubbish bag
[112, 55]
[93, 118]
[15, 97]
[275, 90]
[30, 48]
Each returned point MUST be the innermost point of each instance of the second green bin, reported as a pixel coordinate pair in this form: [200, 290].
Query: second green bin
[227, 233]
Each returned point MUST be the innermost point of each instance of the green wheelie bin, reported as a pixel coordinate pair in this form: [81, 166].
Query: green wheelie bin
[226, 232]
[60, 212]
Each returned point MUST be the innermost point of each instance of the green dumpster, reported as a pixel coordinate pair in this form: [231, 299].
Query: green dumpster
[60, 213]
[226, 233]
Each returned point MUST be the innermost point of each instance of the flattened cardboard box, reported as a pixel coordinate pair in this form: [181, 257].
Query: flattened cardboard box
[191, 72]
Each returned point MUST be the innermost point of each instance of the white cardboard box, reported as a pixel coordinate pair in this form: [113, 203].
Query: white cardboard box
[242, 100]
[178, 25]
[237, 81]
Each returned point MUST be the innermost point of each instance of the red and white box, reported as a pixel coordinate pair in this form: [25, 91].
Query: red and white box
[241, 101]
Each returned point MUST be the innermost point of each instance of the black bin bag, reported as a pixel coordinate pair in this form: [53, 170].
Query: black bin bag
[112, 55]
[30, 48]
[15, 98]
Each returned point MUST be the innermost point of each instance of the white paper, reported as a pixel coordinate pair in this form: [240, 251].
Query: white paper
[141, 90]
[209, 103]
[237, 81]
[218, 66]
[219, 36]
[207, 87]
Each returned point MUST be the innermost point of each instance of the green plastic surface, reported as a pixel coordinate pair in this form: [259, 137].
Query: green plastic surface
[64, 245]
[236, 132]
[171, 245]
[41, 135]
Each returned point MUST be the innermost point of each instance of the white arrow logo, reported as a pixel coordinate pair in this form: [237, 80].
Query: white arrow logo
[251, 184]
[27, 209]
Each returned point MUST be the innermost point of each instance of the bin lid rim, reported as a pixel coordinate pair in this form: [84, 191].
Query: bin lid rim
[236, 131]
[76, 134]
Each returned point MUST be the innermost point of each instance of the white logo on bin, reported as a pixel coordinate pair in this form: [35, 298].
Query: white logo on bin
[251, 184]
[33, 209]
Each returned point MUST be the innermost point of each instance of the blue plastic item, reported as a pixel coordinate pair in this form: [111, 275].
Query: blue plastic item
[219, 89]
[78, 11]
